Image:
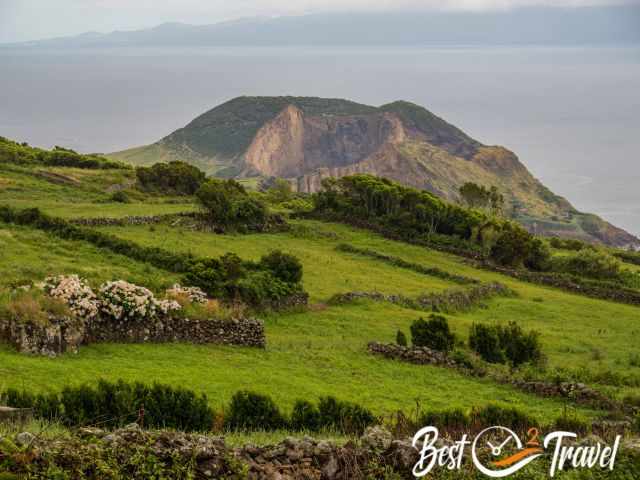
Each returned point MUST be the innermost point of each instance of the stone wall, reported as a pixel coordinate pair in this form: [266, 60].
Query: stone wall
[206, 456]
[244, 331]
[576, 392]
[130, 220]
[62, 335]
[418, 355]
[59, 336]
[448, 301]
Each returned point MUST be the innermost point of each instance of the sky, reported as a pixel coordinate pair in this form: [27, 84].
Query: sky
[22, 20]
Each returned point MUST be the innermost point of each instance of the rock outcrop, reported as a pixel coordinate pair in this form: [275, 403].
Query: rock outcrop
[308, 139]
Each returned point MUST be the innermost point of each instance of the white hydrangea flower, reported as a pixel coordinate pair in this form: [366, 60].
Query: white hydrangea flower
[194, 294]
[75, 292]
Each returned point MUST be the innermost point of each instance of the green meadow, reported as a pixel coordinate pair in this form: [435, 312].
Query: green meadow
[320, 351]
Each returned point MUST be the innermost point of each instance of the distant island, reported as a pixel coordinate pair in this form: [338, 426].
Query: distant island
[597, 25]
[306, 139]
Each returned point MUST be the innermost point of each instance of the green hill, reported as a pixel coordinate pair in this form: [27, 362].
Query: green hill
[305, 139]
[316, 352]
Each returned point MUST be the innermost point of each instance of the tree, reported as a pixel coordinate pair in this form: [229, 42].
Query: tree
[218, 197]
[174, 177]
[478, 196]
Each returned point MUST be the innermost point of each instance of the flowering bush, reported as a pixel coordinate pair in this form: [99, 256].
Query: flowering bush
[194, 294]
[123, 300]
[75, 292]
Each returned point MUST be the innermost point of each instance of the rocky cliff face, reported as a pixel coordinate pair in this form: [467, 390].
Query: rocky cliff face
[295, 145]
[305, 140]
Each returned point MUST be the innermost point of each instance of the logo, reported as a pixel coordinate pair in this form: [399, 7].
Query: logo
[498, 452]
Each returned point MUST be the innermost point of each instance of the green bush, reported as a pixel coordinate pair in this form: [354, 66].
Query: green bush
[499, 343]
[519, 347]
[120, 197]
[484, 340]
[178, 178]
[283, 266]
[344, 416]
[228, 205]
[509, 417]
[305, 416]
[401, 338]
[433, 333]
[253, 411]
[590, 263]
[117, 404]
[515, 247]
[453, 420]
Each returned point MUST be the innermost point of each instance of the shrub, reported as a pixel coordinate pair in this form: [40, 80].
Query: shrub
[344, 416]
[117, 404]
[401, 338]
[519, 347]
[262, 289]
[433, 333]
[454, 420]
[498, 343]
[305, 416]
[171, 178]
[217, 197]
[250, 213]
[515, 246]
[484, 340]
[590, 263]
[227, 204]
[283, 266]
[123, 300]
[253, 411]
[120, 197]
[75, 292]
[509, 417]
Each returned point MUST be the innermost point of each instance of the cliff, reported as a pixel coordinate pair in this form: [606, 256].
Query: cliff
[306, 139]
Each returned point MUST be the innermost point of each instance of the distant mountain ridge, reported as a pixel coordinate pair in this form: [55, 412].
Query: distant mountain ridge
[306, 139]
[527, 25]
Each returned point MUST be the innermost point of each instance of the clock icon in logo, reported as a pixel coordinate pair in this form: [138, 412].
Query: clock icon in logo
[496, 440]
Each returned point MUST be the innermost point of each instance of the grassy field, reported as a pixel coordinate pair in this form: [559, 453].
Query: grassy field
[75, 192]
[28, 255]
[575, 329]
[309, 354]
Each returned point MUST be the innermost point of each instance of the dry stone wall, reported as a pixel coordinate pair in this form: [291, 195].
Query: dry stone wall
[62, 335]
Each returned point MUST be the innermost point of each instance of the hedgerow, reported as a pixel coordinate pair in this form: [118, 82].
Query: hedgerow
[117, 404]
[259, 284]
[399, 262]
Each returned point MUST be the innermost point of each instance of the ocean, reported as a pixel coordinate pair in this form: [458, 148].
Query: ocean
[570, 113]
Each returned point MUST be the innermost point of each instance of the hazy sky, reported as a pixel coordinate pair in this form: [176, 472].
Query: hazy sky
[36, 19]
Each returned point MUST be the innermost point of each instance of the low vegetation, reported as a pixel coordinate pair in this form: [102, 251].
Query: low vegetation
[23, 154]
